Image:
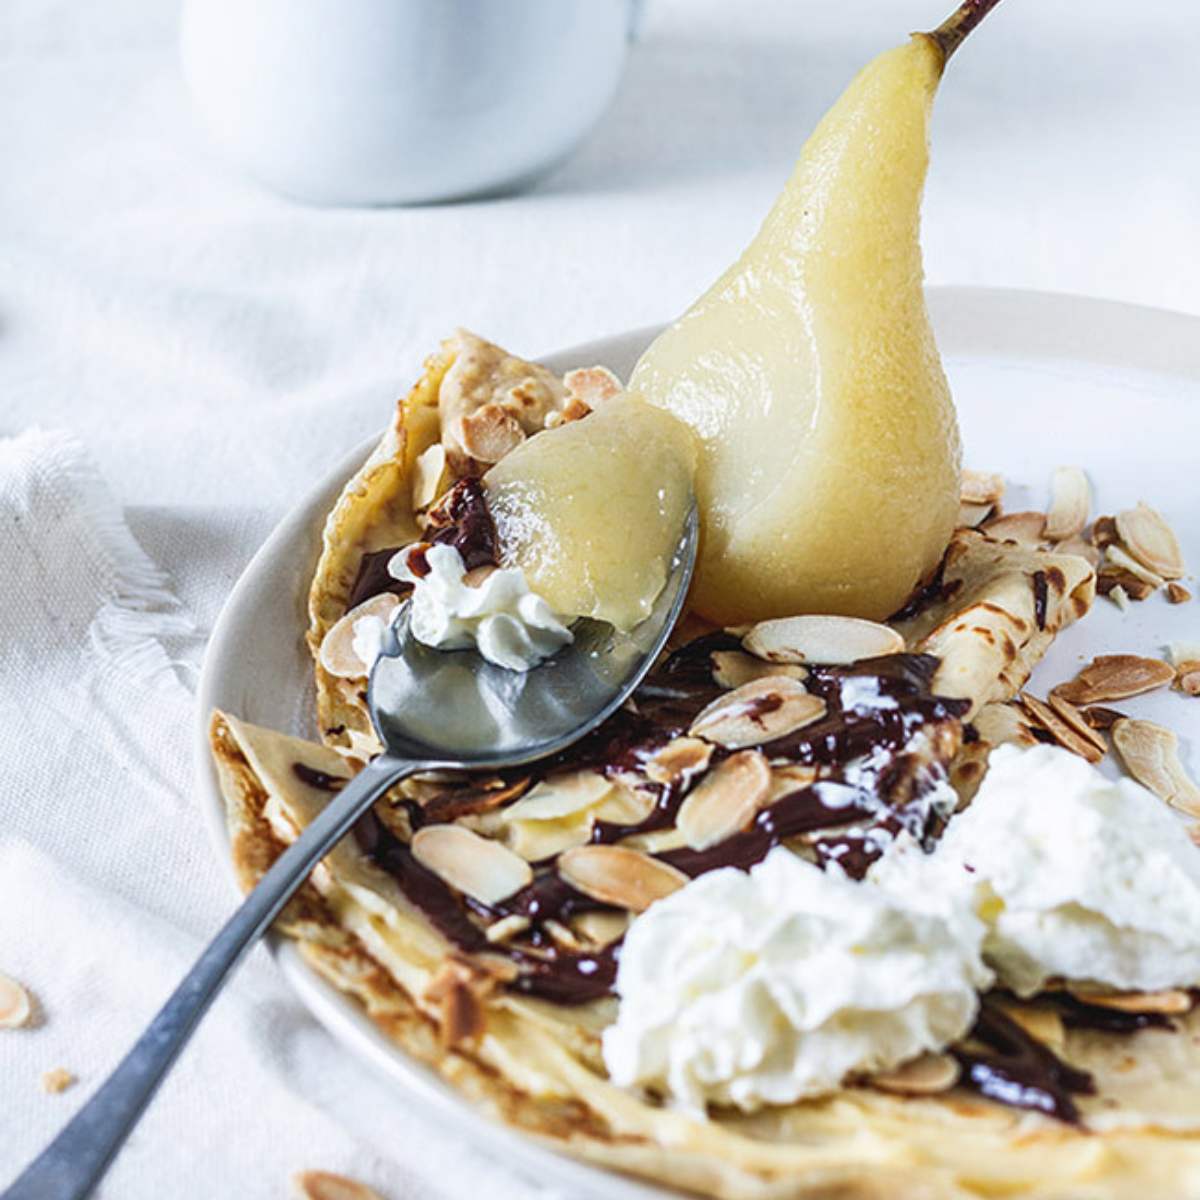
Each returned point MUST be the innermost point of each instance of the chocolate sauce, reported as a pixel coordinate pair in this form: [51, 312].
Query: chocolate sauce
[551, 974]
[317, 779]
[373, 578]
[927, 595]
[1020, 1071]
[798, 812]
[461, 520]
[1078, 1015]
[1040, 595]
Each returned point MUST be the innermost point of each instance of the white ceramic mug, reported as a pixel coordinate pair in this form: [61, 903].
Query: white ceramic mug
[401, 101]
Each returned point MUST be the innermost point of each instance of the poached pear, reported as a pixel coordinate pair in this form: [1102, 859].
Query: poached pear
[592, 511]
[828, 476]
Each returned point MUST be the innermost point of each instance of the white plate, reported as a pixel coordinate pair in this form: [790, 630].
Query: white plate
[1040, 381]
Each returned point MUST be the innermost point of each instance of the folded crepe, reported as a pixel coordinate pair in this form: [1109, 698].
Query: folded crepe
[460, 987]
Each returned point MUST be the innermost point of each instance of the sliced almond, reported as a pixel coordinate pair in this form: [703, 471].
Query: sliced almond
[1064, 734]
[506, 928]
[970, 515]
[758, 712]
[1110, 577]
[15, 1005]
[1116, 677]
[1151, 755]
[1120, 558]
[1024, 528]
[431, 476]
[981, 487]
[324, 1185]
[601, 928]
[56, 1080]
[619, 876]
[1103, 532]
[459, 991]
[625, 805]
[1070, 499]
[1173, 1002]
[481, 868]
[337, 654]
[1099, 717]
[489, 433]
[592, 385]
[679, 758]
[821, 639]
[724, 800]
[1151, 541]
[732, 668]
[1042, 1023]
[1067, 724]
[1187, 679]
[560, 796]
[1177, 593]
[1081, 548]
[790, 777]
[1118, 595]
[924, 1076]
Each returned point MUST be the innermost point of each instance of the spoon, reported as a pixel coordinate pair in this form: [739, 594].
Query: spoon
[434, 710]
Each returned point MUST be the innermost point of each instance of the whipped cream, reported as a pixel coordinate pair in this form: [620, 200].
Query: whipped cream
[500, 617]
[1077, 876]
[764, 987]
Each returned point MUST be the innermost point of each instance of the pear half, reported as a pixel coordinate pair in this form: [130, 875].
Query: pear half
[592, 511]
[829, 451]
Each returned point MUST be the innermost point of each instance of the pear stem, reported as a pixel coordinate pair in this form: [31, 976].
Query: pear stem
[949, 35]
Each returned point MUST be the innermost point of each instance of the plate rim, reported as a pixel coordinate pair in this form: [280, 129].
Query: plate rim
[1116, 333]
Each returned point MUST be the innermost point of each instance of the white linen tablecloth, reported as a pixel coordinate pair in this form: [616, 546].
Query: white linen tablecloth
[211, 349]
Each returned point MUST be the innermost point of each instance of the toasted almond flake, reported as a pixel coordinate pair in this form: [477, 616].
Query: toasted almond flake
[1065, 735]
[1116, 677]
[1177, 593]
[458, 992]
[1099, 717]
[489, 433]
[758, 712]
[1110, 577]
[970, 515]
[1151, 755]
[1150, 540]
[1041, 1023]
[1070, 499]
[56, 1080]
[592, 385]
[1117, 555]
[431, 476]
[560, 796]
[790, 777]
[617, 875]
[981, 487]
[924, 1076]
[679, 758]
[1078, 546]
[1074, 718]
[1173, 1002]
[1103, 532]
[1024, 528]
[625, 805]
[601, 928]
[1188, 681]
[324, 1185]
[15, 1005]
[564, 935]
[657, 841]
[337, 654]
[724, 800]
[732, 668]
[1119, 596]
[478, 866]
[821, 639]
[507, 927]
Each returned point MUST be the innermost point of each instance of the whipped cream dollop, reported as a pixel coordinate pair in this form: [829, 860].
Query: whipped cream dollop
[762, 987]
[497, 615]
[1078, 877]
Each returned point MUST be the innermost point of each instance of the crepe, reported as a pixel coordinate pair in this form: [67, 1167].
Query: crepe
[973, 636]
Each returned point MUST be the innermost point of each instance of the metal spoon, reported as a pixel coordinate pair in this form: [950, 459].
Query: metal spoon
[433, 710]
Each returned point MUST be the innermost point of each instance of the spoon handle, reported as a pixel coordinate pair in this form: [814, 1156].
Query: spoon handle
[72, 1165]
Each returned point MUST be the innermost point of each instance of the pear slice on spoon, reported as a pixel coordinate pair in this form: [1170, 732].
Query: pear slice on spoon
[829, 449]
